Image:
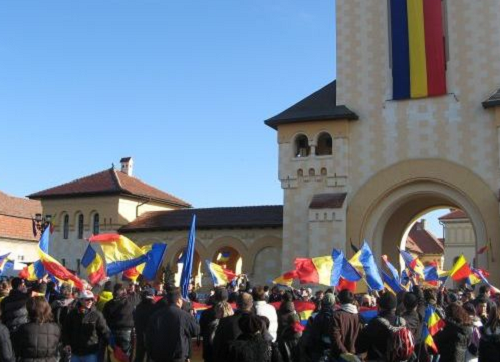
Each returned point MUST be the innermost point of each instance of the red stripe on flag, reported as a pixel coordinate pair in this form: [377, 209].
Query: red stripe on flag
[104, 238]
[98, 275]
[306, 271]
[434, 47]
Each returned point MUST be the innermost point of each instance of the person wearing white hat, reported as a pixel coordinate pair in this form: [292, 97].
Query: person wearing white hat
[84, 329]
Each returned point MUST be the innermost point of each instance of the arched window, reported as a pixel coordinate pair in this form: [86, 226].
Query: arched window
[302, 148]
[95, 224]
[324, 146]
[80, 226]
[66, 226]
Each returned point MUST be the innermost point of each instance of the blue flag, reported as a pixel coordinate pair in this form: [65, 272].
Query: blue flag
[188, 260]
[155, 257]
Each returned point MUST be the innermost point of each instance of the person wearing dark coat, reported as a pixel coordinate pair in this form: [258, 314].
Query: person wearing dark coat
[37, 340]
[207, 319]
[228, 329]
[13, 306]
[170, 330]
[289, 339]
[373, 339]
[84, 330]
[142, 314]
[250, 345]
[489, 344]
[345, 326]
[411, 316]
[119, 315]
[6, 351]
[452, 341]
[320, 328]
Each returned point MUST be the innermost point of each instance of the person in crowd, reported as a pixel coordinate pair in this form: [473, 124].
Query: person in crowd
[290, 336]
[13, 307]
[345, 326]
[373, 339]
[250, 345]
[467, 296]
[452, 341]
[484, 295]
[222, 310]
[4, 289]
[228, 329]
[169, 331]
[489, 344]
[192, 295]
[208, 316]
[37, 340]
[482, 308]
[119, 315]
[6, 350]
[52, 294]
[84, 330]
[266, 292]
[320, 329]
[142, 315]
[275, 295]
[262, 308]
[62, 306]
[477, 325]
[413, 319]
[105, 296]
[286, 312]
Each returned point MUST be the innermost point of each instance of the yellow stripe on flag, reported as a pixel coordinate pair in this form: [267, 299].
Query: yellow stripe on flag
[418, 59]
[324, 266]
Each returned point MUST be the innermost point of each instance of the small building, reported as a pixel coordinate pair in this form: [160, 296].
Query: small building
[425, 245]
[459, 237]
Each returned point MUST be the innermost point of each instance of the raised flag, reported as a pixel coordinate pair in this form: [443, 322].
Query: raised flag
[481, 274]
[461, 269]
[431, 273]
[3, 262]
[224, 257]
[94, 265]
[220, 275]
[286, 279]
[52, 266]
[413, 264]
[391, 268]
[187, 267]
[364, 262]
[344, 275]
[155, 253]
[314, 270]
[432, 324]
[391, 284]
[119, 252]
[33, 272]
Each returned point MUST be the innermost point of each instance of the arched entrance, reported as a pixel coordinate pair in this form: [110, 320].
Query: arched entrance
[196, 274]
[229, 258]
[381, 211]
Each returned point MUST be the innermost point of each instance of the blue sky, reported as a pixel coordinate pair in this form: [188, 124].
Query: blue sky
[181, 86]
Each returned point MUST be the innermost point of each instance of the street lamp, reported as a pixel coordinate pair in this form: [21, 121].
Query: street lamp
[42, 222]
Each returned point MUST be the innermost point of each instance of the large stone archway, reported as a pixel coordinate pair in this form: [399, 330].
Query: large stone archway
[386, 204]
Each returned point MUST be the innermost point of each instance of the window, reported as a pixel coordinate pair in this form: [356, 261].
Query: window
[324, 145]
[80, 226]
[302, 148]
[95, 224]
[66, 226]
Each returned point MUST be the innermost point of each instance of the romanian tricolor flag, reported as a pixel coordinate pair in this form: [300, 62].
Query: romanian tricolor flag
[33, 272]
[364, 262]
[52, 266]
[391, 284]
[94, 265]
[413, 264]
[303, 309]
[155, 253]
[286, 279]
[120, 252]
[220, 275]
[481, 274]
[461, 269]
[418, 48]
[224, 257]
[315, 270]
[432, 324]
[3, 262]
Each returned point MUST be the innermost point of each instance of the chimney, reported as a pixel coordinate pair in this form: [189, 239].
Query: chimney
[421, 224]
[127, 165]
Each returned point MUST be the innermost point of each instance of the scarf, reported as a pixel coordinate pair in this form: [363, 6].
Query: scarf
[349, 308]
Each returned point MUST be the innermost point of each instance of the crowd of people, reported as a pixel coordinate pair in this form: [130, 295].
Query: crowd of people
[128, 322]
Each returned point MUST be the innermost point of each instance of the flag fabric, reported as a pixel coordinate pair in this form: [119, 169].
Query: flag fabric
[33, 272]
[391, 268]
[224, 257]
[413, 264]
[391, 284]
[460, 270]
[286, 279]
[220, 275]
[432, 324]
[418, 53]
[155, 254]
[481, 274]
[3, 262]
[431, 273]
[51, 265]
[343, 272]
[119, 252]
[187, 267]
[319, 270]
[94, 265]
[364, 262]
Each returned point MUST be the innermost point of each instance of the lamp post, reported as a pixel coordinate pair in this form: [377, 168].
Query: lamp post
[42, 222]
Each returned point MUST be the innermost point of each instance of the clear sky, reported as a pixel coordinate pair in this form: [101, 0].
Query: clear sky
[182, 86]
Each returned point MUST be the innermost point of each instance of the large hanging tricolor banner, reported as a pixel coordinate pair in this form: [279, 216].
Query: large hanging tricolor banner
[418, 50]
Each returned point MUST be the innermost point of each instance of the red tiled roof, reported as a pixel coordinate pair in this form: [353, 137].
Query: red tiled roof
[422, 241]
[108, 182]
[15, 217]
[210, 218]
[455, 214]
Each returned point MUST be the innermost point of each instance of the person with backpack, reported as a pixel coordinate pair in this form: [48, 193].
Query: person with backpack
[345, 326]
[386, 337]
